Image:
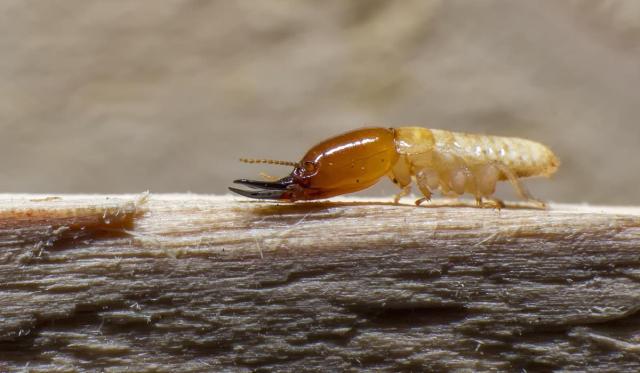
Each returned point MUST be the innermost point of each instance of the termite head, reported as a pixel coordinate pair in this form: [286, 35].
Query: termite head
[343, 164]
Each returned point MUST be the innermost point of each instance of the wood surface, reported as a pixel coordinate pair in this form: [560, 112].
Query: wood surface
[196, 283]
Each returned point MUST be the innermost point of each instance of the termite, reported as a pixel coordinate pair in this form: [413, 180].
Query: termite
[455, 163]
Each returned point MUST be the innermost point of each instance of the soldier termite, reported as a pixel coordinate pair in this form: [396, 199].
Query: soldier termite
[455, 163]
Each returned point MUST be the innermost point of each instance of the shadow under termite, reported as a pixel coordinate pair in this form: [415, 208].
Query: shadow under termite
[304, 207]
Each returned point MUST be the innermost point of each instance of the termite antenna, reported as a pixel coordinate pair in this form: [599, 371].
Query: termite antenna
[269, 161]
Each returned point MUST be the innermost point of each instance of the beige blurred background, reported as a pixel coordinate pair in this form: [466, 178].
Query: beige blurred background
[124, 96]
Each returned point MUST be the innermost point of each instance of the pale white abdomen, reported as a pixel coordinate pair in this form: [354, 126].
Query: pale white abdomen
[458, 163]
[523, 157]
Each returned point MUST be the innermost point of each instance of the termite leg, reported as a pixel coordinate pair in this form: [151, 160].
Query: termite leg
[489, 202]
[405, 191]
[518, 186]
[422, 180]
[498, 203]
[400, 175]
[479, 202]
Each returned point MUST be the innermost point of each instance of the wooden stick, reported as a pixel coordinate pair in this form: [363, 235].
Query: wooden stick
[210, 283]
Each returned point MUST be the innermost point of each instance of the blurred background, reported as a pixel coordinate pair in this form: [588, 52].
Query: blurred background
[124, 96]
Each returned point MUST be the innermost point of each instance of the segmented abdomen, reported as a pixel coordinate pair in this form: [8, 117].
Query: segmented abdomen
[523, 157]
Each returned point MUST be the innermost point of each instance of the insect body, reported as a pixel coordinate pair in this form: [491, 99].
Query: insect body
[454, 163]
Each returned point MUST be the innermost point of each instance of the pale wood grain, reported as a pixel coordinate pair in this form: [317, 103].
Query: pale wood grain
[218, 283]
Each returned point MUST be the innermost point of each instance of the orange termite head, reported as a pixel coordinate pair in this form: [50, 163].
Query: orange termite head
[343, 164]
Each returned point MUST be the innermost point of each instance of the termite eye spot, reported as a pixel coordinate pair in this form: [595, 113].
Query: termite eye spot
[309, 166]
[395, 181]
